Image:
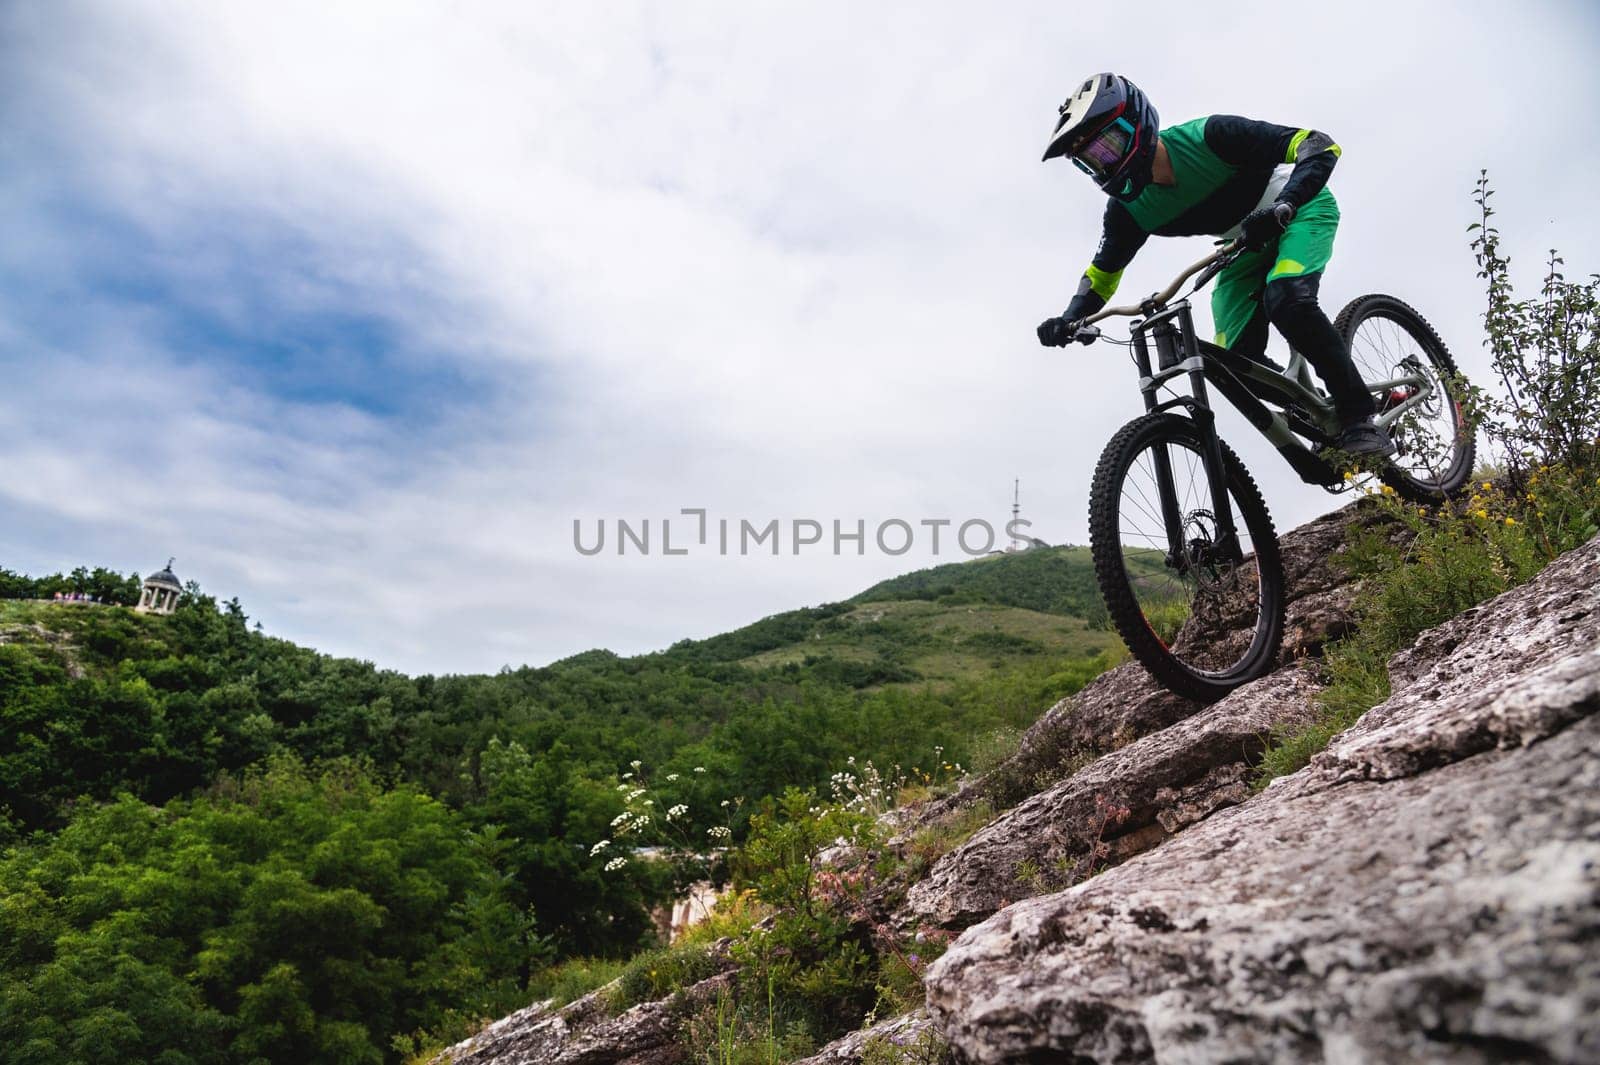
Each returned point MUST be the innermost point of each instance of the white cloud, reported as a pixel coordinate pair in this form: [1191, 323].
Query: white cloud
[784, 261]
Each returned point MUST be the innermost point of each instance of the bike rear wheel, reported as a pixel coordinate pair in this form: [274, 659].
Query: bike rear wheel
[1388, 340]
[1201, 619]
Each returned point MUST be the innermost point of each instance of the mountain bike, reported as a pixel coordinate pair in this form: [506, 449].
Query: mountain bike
[1184, 549]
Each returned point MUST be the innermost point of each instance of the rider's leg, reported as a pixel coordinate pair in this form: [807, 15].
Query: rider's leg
[1301, 254]
[1236, 312]
[1291, 303]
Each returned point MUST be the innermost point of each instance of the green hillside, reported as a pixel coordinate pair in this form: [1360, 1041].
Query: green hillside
[1051, 580]
[938, 624]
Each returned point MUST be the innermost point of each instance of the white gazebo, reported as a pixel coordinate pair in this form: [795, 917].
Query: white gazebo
[161, 591]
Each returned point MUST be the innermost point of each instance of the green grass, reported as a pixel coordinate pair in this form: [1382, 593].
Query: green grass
[1055, 580]
[570, 980]
[658, 973]
[937, 642]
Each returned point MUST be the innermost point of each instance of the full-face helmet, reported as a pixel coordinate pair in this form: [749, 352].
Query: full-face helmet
[1108, 129]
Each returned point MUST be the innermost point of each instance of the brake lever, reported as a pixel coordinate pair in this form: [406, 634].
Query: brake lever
[1087, 335]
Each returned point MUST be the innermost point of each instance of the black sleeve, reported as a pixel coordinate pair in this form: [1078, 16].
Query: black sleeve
[1244, 142]
[1120, 240]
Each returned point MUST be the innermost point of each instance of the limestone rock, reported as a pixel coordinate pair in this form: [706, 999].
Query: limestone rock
[1117, 806]
[910, 1034]
[1125, 703]
[1428, 889]
[584, 1033]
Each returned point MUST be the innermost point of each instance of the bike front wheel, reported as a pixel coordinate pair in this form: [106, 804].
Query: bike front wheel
[1202, 614]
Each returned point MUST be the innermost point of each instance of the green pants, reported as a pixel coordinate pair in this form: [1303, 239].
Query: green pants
[1305, 248]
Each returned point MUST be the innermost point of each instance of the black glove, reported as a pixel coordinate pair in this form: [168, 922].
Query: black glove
[1058, 332]
[1265, 225]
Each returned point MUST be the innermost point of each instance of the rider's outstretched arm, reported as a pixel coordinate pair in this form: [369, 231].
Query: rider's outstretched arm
[1120, 240]
[1244, 142]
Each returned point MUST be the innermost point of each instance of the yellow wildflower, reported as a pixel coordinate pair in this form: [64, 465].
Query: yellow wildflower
[1510, 520]
[1388, 490]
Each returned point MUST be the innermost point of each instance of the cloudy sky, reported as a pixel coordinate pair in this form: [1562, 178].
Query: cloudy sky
[355, 308]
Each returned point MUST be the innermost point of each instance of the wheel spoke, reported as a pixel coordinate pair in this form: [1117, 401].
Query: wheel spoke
[1205, 609]
[1387, 346]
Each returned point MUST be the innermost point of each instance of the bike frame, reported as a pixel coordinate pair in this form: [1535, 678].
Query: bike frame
[1283, 407]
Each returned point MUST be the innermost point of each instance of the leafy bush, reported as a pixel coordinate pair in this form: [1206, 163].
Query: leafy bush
[733, 916]
[290, 916]
[1545, 353]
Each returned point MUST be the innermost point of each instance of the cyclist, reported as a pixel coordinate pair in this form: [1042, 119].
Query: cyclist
[1229, 177]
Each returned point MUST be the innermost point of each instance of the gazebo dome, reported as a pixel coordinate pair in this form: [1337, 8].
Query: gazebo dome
[165, 578]
[161, 592]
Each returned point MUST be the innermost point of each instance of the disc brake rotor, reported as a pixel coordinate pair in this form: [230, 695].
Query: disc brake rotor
[1433, 405]
[1203, 561]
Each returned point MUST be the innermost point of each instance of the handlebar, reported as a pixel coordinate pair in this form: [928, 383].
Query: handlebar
[1217, 260]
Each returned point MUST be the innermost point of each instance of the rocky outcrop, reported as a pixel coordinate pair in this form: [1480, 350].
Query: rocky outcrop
[911, 1037]
[585, 1033]
[1428, 889]
[1124, 704]
[1121, 804]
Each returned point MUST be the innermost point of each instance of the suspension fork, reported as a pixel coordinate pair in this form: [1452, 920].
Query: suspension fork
[1177, 345]
[1166, 487]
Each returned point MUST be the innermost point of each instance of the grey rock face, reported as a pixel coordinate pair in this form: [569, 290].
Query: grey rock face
[1428, 889]
[584, 1033]
[911, 1036]
[1114, 808]
[1124, 704]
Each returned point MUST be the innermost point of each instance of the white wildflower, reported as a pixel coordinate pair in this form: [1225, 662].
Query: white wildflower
[598, 847]
[619, 819]
[719, 832]
[677, 811]
[672, 776]
[636, 763]
[616, 863]
[699, 769]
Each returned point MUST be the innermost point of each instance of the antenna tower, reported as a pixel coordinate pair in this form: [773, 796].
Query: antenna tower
[1016, 512]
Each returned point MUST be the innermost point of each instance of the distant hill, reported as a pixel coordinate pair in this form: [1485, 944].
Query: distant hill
[938, 624]
[1051, 580]
[200, 693]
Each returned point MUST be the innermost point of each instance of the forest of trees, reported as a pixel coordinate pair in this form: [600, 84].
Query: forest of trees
[220, 846]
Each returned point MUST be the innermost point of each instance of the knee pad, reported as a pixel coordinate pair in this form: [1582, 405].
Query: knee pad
[1290, 298]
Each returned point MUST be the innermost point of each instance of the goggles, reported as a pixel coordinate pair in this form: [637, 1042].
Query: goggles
[1101, 154]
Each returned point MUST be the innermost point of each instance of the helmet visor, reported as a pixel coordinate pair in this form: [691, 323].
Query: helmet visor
[1101, 154]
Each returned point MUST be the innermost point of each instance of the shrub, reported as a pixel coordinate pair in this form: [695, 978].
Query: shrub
[1545, 353]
